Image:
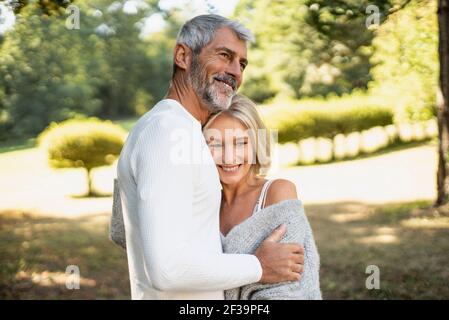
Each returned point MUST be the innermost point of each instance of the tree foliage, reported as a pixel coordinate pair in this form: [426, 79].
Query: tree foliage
[304, 50]
[106, 68]
[406, 61]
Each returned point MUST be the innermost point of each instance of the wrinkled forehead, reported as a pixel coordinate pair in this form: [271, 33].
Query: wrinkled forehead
[226, 38]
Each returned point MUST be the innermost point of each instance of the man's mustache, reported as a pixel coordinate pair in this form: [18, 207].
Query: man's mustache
[228, 79]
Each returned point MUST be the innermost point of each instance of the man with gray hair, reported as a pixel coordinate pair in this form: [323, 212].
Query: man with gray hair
[170, 201]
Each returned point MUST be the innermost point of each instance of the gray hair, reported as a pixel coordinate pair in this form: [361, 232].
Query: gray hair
[200, 31]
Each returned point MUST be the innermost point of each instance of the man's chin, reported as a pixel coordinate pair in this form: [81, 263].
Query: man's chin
[219, 104]
[224, 105]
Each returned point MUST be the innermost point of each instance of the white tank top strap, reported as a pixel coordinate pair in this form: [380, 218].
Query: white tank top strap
[260, 203]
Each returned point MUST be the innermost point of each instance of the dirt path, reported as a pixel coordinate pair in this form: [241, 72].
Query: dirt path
[405, 175]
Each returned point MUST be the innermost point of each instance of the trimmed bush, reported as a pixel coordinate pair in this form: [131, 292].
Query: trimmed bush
[85, 143]
[326, 122]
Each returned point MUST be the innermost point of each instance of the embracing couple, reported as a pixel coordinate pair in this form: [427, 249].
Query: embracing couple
[214, 228]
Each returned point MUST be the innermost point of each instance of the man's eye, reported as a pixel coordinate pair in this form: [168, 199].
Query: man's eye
[225, 54]
[243, 66]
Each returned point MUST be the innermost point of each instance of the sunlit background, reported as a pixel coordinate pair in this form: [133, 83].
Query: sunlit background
[351, 94]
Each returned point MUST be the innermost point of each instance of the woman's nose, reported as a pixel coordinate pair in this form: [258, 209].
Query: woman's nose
[229, 155]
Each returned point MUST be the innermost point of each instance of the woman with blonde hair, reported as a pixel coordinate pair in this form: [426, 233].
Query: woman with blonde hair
[252, 206]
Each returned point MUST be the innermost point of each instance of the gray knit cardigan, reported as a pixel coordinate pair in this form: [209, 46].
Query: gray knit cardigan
[246, 237]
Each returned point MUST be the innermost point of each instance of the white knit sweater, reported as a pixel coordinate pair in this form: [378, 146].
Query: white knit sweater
[170, 194]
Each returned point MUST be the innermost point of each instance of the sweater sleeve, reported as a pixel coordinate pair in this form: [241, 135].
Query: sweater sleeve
[292, 213]
[310, 282]
[165, 206]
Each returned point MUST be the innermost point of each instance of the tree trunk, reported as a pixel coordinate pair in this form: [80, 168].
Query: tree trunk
[443, 103]
[90, 192]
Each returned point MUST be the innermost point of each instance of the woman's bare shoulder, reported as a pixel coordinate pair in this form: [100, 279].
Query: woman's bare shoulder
[280, 190]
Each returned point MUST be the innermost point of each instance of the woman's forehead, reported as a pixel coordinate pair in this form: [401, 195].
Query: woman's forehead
[227, 121]
[226, 134]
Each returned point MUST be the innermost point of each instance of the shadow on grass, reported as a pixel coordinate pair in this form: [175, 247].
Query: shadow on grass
[91, 195]
[35, 252]
[405, 240]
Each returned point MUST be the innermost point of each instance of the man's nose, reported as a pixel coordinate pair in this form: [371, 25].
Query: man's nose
[235, 70]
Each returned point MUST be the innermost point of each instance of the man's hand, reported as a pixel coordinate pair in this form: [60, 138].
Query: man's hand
[280, 261]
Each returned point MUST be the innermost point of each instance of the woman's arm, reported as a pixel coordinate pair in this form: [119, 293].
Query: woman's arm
[280, 190]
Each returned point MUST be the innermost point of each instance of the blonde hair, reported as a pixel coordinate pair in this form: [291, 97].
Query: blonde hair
[245, 110]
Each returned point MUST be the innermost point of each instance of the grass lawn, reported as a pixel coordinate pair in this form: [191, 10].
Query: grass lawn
[406, 241]
[35, 252]
[408, 244]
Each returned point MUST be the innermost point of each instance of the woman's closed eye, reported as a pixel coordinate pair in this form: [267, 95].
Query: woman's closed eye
[240, 141]
[215, 145]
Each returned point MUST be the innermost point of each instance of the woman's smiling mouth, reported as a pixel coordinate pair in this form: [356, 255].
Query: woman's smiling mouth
[230, 168]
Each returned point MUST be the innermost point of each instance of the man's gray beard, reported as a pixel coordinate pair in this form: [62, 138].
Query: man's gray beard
[207, 92]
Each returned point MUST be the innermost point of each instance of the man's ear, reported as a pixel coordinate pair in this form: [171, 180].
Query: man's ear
[182, 56]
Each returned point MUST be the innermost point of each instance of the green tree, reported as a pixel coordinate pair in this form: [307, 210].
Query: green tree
[48, 7]
[116, 56]
[406, 60]
[87, 143]
[293, 56]
[42, 74]
[387, 8]
[443, 104]
[50, 73]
